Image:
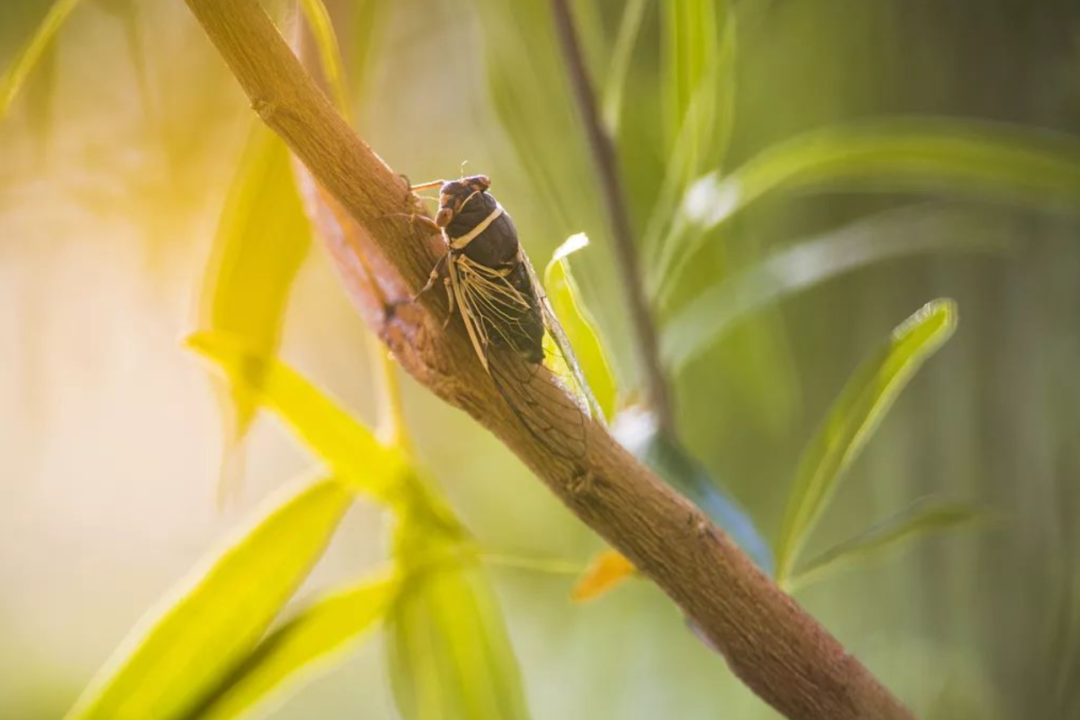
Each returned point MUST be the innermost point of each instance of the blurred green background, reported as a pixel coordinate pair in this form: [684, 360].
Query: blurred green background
[114, 165]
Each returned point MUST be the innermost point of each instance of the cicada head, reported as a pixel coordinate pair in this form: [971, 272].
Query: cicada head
[455, 194]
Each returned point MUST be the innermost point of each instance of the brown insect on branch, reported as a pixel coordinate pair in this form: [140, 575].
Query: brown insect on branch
[778, 650]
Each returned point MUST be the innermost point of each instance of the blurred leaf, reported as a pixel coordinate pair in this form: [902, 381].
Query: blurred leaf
[807, 263]
[25, 61]
[919, 520]
[322, 29]
[607, 571]
[351, 450]
[578, 324]
[303, 647]
[853, 418]
[530, 94]
[638, 432]
[449, 654]
[366, 22]
[262, 239]
[213, 620]
[966, 158]
[622, 54]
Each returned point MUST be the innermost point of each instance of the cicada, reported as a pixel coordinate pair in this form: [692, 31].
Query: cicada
[491, 283]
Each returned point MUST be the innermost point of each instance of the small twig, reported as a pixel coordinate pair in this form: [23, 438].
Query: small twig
[657, 396]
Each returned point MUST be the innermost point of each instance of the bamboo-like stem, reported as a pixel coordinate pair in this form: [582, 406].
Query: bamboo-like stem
[657, 395]
[769, 642]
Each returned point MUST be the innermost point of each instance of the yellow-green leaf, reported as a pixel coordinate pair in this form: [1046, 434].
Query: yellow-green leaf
[297, 651]
[262, 239]
[919, 520]
[322, 29]
[853, 418]
[12, 80]
[213, 620]
[970, 159]
[578, 325]
[450, 657]
[351, 450]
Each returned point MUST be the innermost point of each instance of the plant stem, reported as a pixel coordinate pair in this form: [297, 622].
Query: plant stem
[657, 396]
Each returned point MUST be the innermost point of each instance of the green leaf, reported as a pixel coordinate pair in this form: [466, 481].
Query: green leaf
[25, 61]
[919, 520]
[351, 450]
[807, 263]
[970, 159]
[299, 650]
[638, 432]
[578, 324]
[621, 55]
[853, 418]
[367, 21]
[322, 29]
[449, 654]
[212, 621]
[262, 239]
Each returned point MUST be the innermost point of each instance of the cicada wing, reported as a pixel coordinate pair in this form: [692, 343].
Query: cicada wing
[541, 402]
[562, 343]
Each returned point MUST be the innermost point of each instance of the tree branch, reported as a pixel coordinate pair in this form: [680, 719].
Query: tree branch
[778, 650]
[657, 396]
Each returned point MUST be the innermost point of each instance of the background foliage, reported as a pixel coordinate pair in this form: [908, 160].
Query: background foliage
[121, 149]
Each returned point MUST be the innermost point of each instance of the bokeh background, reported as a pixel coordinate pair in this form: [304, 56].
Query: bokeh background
[114, 166]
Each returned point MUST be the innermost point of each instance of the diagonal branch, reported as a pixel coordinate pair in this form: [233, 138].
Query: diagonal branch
[778, 650]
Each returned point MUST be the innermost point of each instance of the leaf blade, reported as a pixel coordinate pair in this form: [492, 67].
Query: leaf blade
[853, 418]
[219, 615]
[354, 453]
[293, 653]
[917, 520]
[12, 81]
[578, 324]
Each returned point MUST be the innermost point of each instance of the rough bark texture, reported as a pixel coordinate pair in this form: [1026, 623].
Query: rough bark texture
[778, 650]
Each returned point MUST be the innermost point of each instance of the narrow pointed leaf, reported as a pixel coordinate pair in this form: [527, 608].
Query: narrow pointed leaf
[969, 159]
[299, 650]
[322, 29]
[213, 620]
[450, 657]
[262, 239]
[804, 264]
[27, 59]
[621, 56]
[607, 571]
[351, 450]
[919, 520]
[853, 419]
[578, 324]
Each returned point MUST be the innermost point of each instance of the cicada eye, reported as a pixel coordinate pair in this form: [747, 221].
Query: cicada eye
[480, 183]
[444, 216]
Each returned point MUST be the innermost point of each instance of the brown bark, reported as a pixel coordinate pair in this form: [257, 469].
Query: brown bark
[778, 650]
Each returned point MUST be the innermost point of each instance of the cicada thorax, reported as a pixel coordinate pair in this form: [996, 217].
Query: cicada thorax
[492, 270]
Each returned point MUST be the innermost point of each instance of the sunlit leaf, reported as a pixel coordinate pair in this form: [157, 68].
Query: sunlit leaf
[262, 239]
[853, 418]
[351, 450]
[367, 19]
[450, 657]
[300, 649]
[971, 159]
[27, 59]
[322, 29]
[579, 326]
[919, 520]
[638, 432]
[607, 571]
[211, 622]
[806, 263]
